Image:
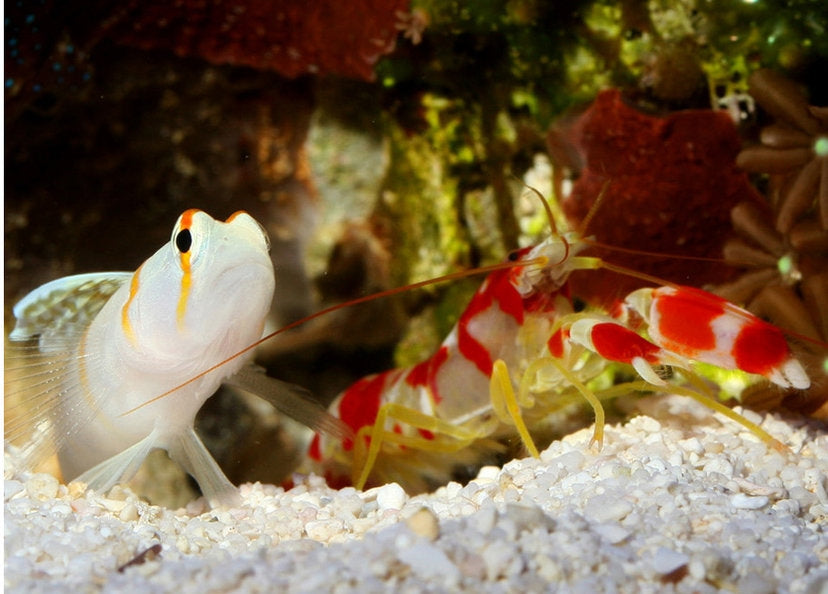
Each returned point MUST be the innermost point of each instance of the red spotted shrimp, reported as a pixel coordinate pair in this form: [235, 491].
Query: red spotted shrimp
[520, 352]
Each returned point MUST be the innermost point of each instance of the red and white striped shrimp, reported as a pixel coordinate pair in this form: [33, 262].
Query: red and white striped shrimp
[519, 352]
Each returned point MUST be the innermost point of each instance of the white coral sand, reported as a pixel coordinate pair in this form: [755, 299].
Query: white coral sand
[689, 502]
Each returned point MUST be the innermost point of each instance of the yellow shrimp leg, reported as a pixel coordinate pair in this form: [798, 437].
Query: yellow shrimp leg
[461, 437]
[506, 406]
[594, 402]
[717, 406]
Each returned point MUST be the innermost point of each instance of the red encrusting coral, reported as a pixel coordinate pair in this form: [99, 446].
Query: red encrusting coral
[291, 38]
[668, 185]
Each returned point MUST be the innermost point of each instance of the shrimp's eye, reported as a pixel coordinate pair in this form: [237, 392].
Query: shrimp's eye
[514, 256]
[183, 241]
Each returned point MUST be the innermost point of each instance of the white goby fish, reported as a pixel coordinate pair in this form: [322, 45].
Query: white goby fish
[108, 343]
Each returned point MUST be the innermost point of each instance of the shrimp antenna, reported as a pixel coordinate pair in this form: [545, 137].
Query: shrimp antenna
[593, 210]
[550, 215]
[546, 207]
[637, 252]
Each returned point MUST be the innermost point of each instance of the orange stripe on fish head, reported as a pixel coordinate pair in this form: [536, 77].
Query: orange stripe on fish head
[126, 325]
[235, 214]
[183, 241]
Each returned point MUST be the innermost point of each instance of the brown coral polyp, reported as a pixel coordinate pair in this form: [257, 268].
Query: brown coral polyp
[795, 147]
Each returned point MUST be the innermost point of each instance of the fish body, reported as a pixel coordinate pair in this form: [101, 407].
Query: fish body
[199, 299]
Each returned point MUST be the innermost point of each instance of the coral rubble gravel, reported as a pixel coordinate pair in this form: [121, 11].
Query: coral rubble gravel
[677, 500]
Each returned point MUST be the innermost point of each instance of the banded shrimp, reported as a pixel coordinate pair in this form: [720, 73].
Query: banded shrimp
[521, 355]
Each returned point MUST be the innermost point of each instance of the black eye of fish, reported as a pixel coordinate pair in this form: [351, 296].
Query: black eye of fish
[183, 241]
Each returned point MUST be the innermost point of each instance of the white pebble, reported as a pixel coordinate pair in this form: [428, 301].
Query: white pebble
[571, 461]
[720, 466]
[523, 476]
[499, 556]
[750, 415]
[480, 497]
[11, 488]
[790, 507]
[113, 505]
[656, 466]
[612, 533]
[666, 560]
[430, 562]
[391, 496]
[487, 474]
[647, 424]
[573, 481]
[307, 497]
[676, 458]
[452, 489]
[42, 486]
[804, 497]
[323, 530]
[611, 470]
[692, 445]
[484, 520]
[424, 523]
[606, 508]
[742, 501]
[697, 570]
[528, 518]
[129, 513]
[757, 584]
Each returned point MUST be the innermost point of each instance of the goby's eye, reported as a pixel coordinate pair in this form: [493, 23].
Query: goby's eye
[183, 241]
[187, 235]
